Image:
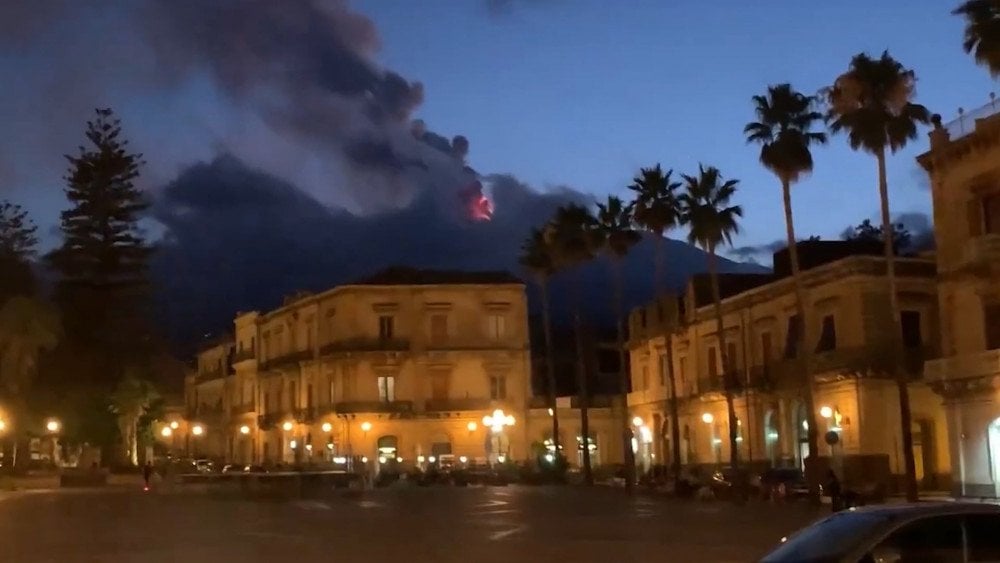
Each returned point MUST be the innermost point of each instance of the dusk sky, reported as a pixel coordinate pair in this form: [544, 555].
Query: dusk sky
[554, 92]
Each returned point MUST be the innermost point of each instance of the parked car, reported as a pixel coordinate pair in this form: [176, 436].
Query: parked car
[204, 465]
[896, 534]
[787, 481]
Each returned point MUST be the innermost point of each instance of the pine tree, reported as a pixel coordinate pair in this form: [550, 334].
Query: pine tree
[17, 248]
[103, 261]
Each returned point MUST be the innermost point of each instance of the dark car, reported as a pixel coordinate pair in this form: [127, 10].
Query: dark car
[789, 480]
[896, 534]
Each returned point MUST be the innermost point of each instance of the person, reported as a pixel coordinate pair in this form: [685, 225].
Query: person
[833, 488]
[147, 472]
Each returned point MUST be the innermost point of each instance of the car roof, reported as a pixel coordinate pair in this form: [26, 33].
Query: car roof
[928, 509]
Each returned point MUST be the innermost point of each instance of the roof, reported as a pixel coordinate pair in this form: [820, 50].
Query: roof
[814, 253]
[729, 285]
[402, 275]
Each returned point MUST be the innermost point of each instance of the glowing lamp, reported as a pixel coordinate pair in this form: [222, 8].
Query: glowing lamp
[166, 432]
[366, 426]
[472, 426]
[287, 426]
[637, 421]
[825, 412]
[244, 429]
[707, 418]
[197, 430]
[327, 427]
[174, 425]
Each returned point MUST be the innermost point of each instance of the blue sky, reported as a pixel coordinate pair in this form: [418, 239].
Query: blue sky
[584, 92]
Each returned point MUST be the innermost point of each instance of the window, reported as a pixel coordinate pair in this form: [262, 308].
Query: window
[681, 379]
[332, 384]
[645, 377]
[936, 538]
[912, 337]
[386, 327]
[766, 348]
[827, 335]
[731, 356]
[497, 327]
[991, 214]
[439, 328]
[664, 366]
[713, 362]
[253, 342]
[293, 397]
[309, 396]
[439, 384]
[498, 387]
[386, 388]
[792, 341]
[991, 325]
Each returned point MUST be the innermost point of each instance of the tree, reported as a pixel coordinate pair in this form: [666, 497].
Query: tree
[17, 249]
[785, 118]
[657, 210]
[982, 32]
[572, 235]
[102, 262]
[872, 104]
[901, 237]
[27, 328]
[615, 227]
[130, 401]
[712, 222]
[538, 259]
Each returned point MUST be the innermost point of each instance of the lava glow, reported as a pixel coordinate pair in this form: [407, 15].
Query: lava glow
[477, 206]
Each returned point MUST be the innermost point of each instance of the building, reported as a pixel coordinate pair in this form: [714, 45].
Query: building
[964, 168]
[407, 366]
[856, 400]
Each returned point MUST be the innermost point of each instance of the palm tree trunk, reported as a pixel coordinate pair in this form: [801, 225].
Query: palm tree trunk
[628, 455]
[550, 368]
[582, 387]
[734, 454]
[659, 260]
[812, 433]
[895, 339]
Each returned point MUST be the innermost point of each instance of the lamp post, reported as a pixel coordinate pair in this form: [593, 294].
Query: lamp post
[53, 426]
[497, 422]
[715, 443]
[327, 429]
[197, 430]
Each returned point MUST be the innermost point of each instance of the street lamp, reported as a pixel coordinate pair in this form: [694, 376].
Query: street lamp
[498, 420]
[197, 430]
[174, 425]
[472, 426]
[366, 426]
[166, 432]
[52, 425]
[637, 421]
[327, 427]
[707, 418]
[287, 426]
[825, 412]
[244, 429]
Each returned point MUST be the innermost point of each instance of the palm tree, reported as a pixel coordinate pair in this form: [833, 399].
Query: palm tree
[657, 210]
[783, 130]
[27, 328]
[617, 236]
[130, 401]
[712, 222]
[982, 31]
[872, 104]
[572, 236]
[537, 257]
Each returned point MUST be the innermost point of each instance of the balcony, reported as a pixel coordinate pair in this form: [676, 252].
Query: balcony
[270, 420]
[240, 410]
[968, 366]
[285, 361]
[209, 374]
[243, 356]
[982, 251]
[443, 405]
[372, 344]
[390, 407]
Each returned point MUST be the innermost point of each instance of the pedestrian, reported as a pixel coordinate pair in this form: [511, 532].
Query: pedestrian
[147, 472]
[833, 488]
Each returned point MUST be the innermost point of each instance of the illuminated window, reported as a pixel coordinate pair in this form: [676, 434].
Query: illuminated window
[497, 327]
[498, 387]
[386, 388]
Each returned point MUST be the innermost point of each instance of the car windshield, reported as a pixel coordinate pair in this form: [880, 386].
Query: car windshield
[827, 540]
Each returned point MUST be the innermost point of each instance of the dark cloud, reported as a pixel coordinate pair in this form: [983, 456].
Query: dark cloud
[241, 239]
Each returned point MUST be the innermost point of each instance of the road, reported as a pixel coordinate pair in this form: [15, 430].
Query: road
[435, 525]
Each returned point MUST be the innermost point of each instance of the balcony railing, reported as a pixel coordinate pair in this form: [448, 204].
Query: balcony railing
[441, 405]
[366, 345]
[243, 356]
[291, 359]
[983, 364]
[391, 407]
[965, 123]
[982, 250]
[210, 374]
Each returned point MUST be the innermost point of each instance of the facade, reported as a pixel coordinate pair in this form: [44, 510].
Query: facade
[407, 366]
[964, 168]
[856, 400]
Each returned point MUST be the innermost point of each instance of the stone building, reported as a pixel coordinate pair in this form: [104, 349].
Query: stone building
[964, 168]
[407, 366]
[855, 398]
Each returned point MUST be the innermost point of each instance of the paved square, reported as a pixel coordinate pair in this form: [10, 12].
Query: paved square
[432, 525]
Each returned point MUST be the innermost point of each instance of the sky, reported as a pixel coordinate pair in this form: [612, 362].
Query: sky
[576, 93]
[584, 92]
